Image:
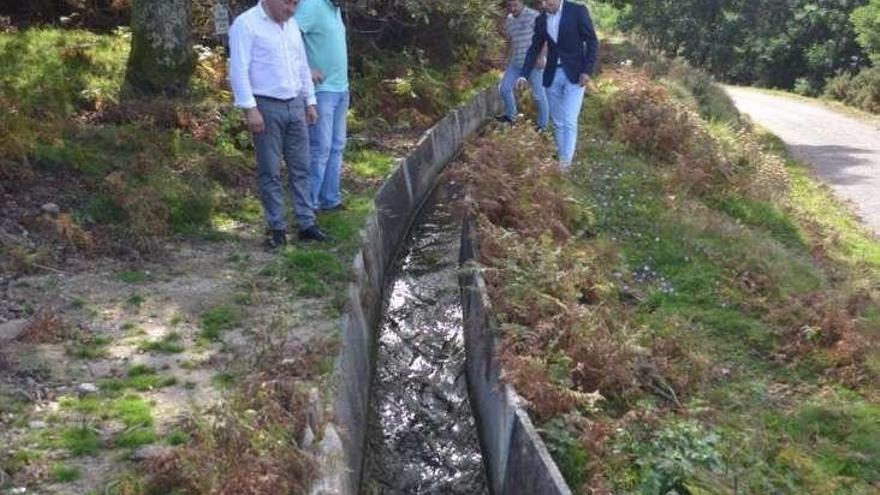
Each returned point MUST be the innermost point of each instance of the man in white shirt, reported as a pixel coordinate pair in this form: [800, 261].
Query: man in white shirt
[271, 81]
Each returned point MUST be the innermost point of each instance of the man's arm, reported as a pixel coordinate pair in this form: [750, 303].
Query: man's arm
[538, 39]
[588, 36]
[240, 44]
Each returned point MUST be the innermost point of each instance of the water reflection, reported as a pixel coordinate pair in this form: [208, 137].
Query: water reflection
[422, 436]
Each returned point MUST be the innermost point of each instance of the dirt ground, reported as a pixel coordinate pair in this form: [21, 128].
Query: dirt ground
[169, 332]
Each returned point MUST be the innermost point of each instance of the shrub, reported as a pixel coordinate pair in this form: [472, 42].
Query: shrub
[861, 91]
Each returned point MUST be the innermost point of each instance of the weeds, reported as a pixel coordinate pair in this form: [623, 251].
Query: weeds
[89, 347]
[45, 327]
[169, 344]
[656, 319]
[80, 440]
[311, 272]
[65, 474]
[217, 320]
[138, 377]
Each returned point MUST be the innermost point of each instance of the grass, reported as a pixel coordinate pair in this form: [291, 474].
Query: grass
[311, 272]
[93, 348]
[369, 164]
[134, 276]
[712, 301]
[169, 344]
[177, 437]
[139, 377]
[80, 440]
[135, 300]
[223, 380]
[217, 320]
[64, 473]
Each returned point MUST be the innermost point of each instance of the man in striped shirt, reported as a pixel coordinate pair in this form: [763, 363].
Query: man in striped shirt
[519, 27]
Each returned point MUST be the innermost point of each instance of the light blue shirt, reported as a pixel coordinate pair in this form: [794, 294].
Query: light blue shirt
[324, 36]
[553, 23]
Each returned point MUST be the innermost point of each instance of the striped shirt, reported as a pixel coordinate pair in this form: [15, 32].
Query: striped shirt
[520, 30]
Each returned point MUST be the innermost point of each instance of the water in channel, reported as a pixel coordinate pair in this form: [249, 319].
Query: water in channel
[422, 437]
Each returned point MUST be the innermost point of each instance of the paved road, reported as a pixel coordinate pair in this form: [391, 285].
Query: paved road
[844, 151]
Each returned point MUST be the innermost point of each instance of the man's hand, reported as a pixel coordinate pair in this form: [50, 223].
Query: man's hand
[317, 76]
[312, 114]
[586, 81]
[522, 83]
[254, 120]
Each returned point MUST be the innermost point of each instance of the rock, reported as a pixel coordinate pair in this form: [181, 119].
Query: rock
[51, 208]
[11, 329]
[308, 438]
[315, 411]
[37, 424]
[87, 388]
[331, 462]
[148, 452]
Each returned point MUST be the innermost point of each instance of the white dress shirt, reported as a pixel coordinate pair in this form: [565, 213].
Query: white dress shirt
[267, 59]
[553, 23]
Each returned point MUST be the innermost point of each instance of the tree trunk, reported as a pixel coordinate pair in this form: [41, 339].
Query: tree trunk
[162, 57]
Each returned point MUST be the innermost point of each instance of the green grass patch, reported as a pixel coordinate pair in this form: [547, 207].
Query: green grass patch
[135, 300]
[136, 437]
[765, 216]
[133, 276]
[177, 437]
[80, 440]
[59, 71]
[345, 225]
[369, 164]
[132, 410]
[311, 272]
[223, 380]
[87, 406]
[139, 377]
[169, 344]
[94, 348]
[217, 320]
[64, 473]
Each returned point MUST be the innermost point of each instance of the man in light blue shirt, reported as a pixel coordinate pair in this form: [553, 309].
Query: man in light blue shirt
[324, 35]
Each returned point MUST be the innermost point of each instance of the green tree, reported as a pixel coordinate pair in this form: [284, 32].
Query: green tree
[866, 20]
[769, 42]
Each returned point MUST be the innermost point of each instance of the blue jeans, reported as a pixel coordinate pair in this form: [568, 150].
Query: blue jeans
[286, 135]
[508, 83]
[565, 98]
[327, 138]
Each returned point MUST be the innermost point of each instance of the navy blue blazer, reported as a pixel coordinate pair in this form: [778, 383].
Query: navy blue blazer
[576, 51]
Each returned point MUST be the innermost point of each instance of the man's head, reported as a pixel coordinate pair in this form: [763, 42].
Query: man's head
[514, 7]
[550, 6]
[280, 10]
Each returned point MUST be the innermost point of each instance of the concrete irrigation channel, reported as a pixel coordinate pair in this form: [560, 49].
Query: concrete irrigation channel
[419, 406]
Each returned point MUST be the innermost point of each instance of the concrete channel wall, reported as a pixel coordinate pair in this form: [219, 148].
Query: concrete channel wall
[396, 206]
[517, 461]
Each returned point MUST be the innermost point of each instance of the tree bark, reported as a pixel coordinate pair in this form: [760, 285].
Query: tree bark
[162, 57]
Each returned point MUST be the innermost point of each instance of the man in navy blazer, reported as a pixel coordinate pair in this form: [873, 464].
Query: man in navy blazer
[573, 47]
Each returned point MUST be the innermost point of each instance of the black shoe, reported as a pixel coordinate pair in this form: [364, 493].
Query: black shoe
[313, 233]
[504, 119]
[277, 240]
[339, 207]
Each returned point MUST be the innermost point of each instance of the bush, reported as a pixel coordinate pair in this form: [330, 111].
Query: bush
[861, 91]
